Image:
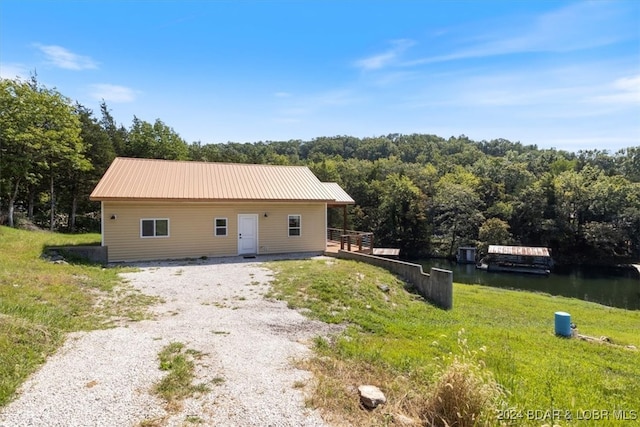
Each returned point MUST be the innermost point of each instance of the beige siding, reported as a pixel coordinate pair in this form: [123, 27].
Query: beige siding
[191, 229]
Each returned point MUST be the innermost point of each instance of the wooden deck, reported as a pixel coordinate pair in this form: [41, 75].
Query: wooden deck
[334, 248]
[356, 241]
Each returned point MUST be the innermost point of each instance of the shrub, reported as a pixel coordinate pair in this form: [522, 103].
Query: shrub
[464, 393]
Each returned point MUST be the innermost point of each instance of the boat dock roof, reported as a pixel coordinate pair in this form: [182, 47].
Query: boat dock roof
[519, 250]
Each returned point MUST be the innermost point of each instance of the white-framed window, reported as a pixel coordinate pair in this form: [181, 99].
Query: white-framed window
[220, 226]
[154, 227]
[295, 225]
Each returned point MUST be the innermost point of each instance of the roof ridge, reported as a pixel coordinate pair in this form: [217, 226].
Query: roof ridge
[146, 159]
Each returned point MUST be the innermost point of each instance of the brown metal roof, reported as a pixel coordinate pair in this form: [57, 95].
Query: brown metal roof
[150, 179]
[340, 197]
[519, 250]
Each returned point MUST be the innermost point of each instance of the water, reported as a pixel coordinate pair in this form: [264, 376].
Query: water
[615, 287]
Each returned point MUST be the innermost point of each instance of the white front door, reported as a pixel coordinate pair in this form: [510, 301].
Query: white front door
[247, 234]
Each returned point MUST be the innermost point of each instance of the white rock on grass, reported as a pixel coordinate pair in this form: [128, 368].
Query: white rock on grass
[371, 396]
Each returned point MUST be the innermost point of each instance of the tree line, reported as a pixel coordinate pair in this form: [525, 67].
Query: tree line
[421, 193]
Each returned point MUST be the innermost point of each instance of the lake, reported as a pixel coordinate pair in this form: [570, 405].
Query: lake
[615, 287]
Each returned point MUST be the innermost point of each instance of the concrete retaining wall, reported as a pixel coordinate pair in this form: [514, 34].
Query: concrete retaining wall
[437, 287]
[97, 254]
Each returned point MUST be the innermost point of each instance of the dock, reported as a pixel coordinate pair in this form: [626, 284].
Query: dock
[386, 252]
[637, 267]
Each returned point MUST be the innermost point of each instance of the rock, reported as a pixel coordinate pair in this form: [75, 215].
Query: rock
[371, 396]
[383, 288]
[403, 420]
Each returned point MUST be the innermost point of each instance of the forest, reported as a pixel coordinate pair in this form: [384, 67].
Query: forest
[422, 193]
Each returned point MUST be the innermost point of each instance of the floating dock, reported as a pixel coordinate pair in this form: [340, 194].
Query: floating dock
[386, 252]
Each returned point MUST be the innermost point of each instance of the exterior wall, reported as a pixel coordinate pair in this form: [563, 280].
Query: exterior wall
[191, 229]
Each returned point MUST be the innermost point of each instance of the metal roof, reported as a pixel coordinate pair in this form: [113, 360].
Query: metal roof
[340, 196]
[150, 179]
[519, 250]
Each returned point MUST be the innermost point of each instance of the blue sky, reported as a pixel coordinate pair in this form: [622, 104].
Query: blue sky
[562, 74]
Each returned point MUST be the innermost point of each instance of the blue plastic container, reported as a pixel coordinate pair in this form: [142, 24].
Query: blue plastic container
[563, 324]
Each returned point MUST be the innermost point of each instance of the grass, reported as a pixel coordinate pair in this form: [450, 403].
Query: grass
[41, 302]
[397, 341]
[177, 384]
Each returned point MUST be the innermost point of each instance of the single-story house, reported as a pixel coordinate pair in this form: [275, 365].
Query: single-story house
[161, 209]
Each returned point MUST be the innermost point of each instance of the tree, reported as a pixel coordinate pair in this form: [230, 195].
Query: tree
[456, 214]
[100, 152]
[117, 135]
[17, 149]
[40, 136]
[401, 215]
[157, 141]
[494, 231]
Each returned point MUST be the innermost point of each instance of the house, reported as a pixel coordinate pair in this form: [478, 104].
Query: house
[160, 209]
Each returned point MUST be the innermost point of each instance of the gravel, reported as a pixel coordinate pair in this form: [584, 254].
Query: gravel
[249, 344]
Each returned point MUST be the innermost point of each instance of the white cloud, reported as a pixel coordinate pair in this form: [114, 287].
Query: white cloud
[625, 90]
[578, 26]
[282, 95]
[386, 58]
[113, 93]
[64, 58]
[12, 71]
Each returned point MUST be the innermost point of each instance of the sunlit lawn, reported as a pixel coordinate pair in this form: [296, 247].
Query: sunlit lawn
[512, 332]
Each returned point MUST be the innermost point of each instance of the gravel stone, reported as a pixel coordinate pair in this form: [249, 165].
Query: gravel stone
[217, 307]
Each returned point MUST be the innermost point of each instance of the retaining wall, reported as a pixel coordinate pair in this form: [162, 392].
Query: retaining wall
[97, 254]
[437, 287]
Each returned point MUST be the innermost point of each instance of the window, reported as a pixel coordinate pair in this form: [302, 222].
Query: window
[294, 225]
[220, 227]
[154, 227]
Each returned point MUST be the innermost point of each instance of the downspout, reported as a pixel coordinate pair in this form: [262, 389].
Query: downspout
[102, 223]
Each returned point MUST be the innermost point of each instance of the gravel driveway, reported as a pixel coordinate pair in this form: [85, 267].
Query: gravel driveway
[103, 378]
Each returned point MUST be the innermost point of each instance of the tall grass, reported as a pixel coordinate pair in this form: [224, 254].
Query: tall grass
[397, 341]
[41, 302]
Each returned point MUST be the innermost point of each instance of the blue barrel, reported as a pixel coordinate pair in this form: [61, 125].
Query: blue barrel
[563, 324]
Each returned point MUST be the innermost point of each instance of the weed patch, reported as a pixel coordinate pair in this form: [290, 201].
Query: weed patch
[177, 384]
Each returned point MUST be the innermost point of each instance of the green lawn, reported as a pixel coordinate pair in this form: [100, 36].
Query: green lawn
[398, 335]
[40, 302]
[394, 339]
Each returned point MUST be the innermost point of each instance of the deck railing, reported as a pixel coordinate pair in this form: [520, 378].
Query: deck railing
[351, 240]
